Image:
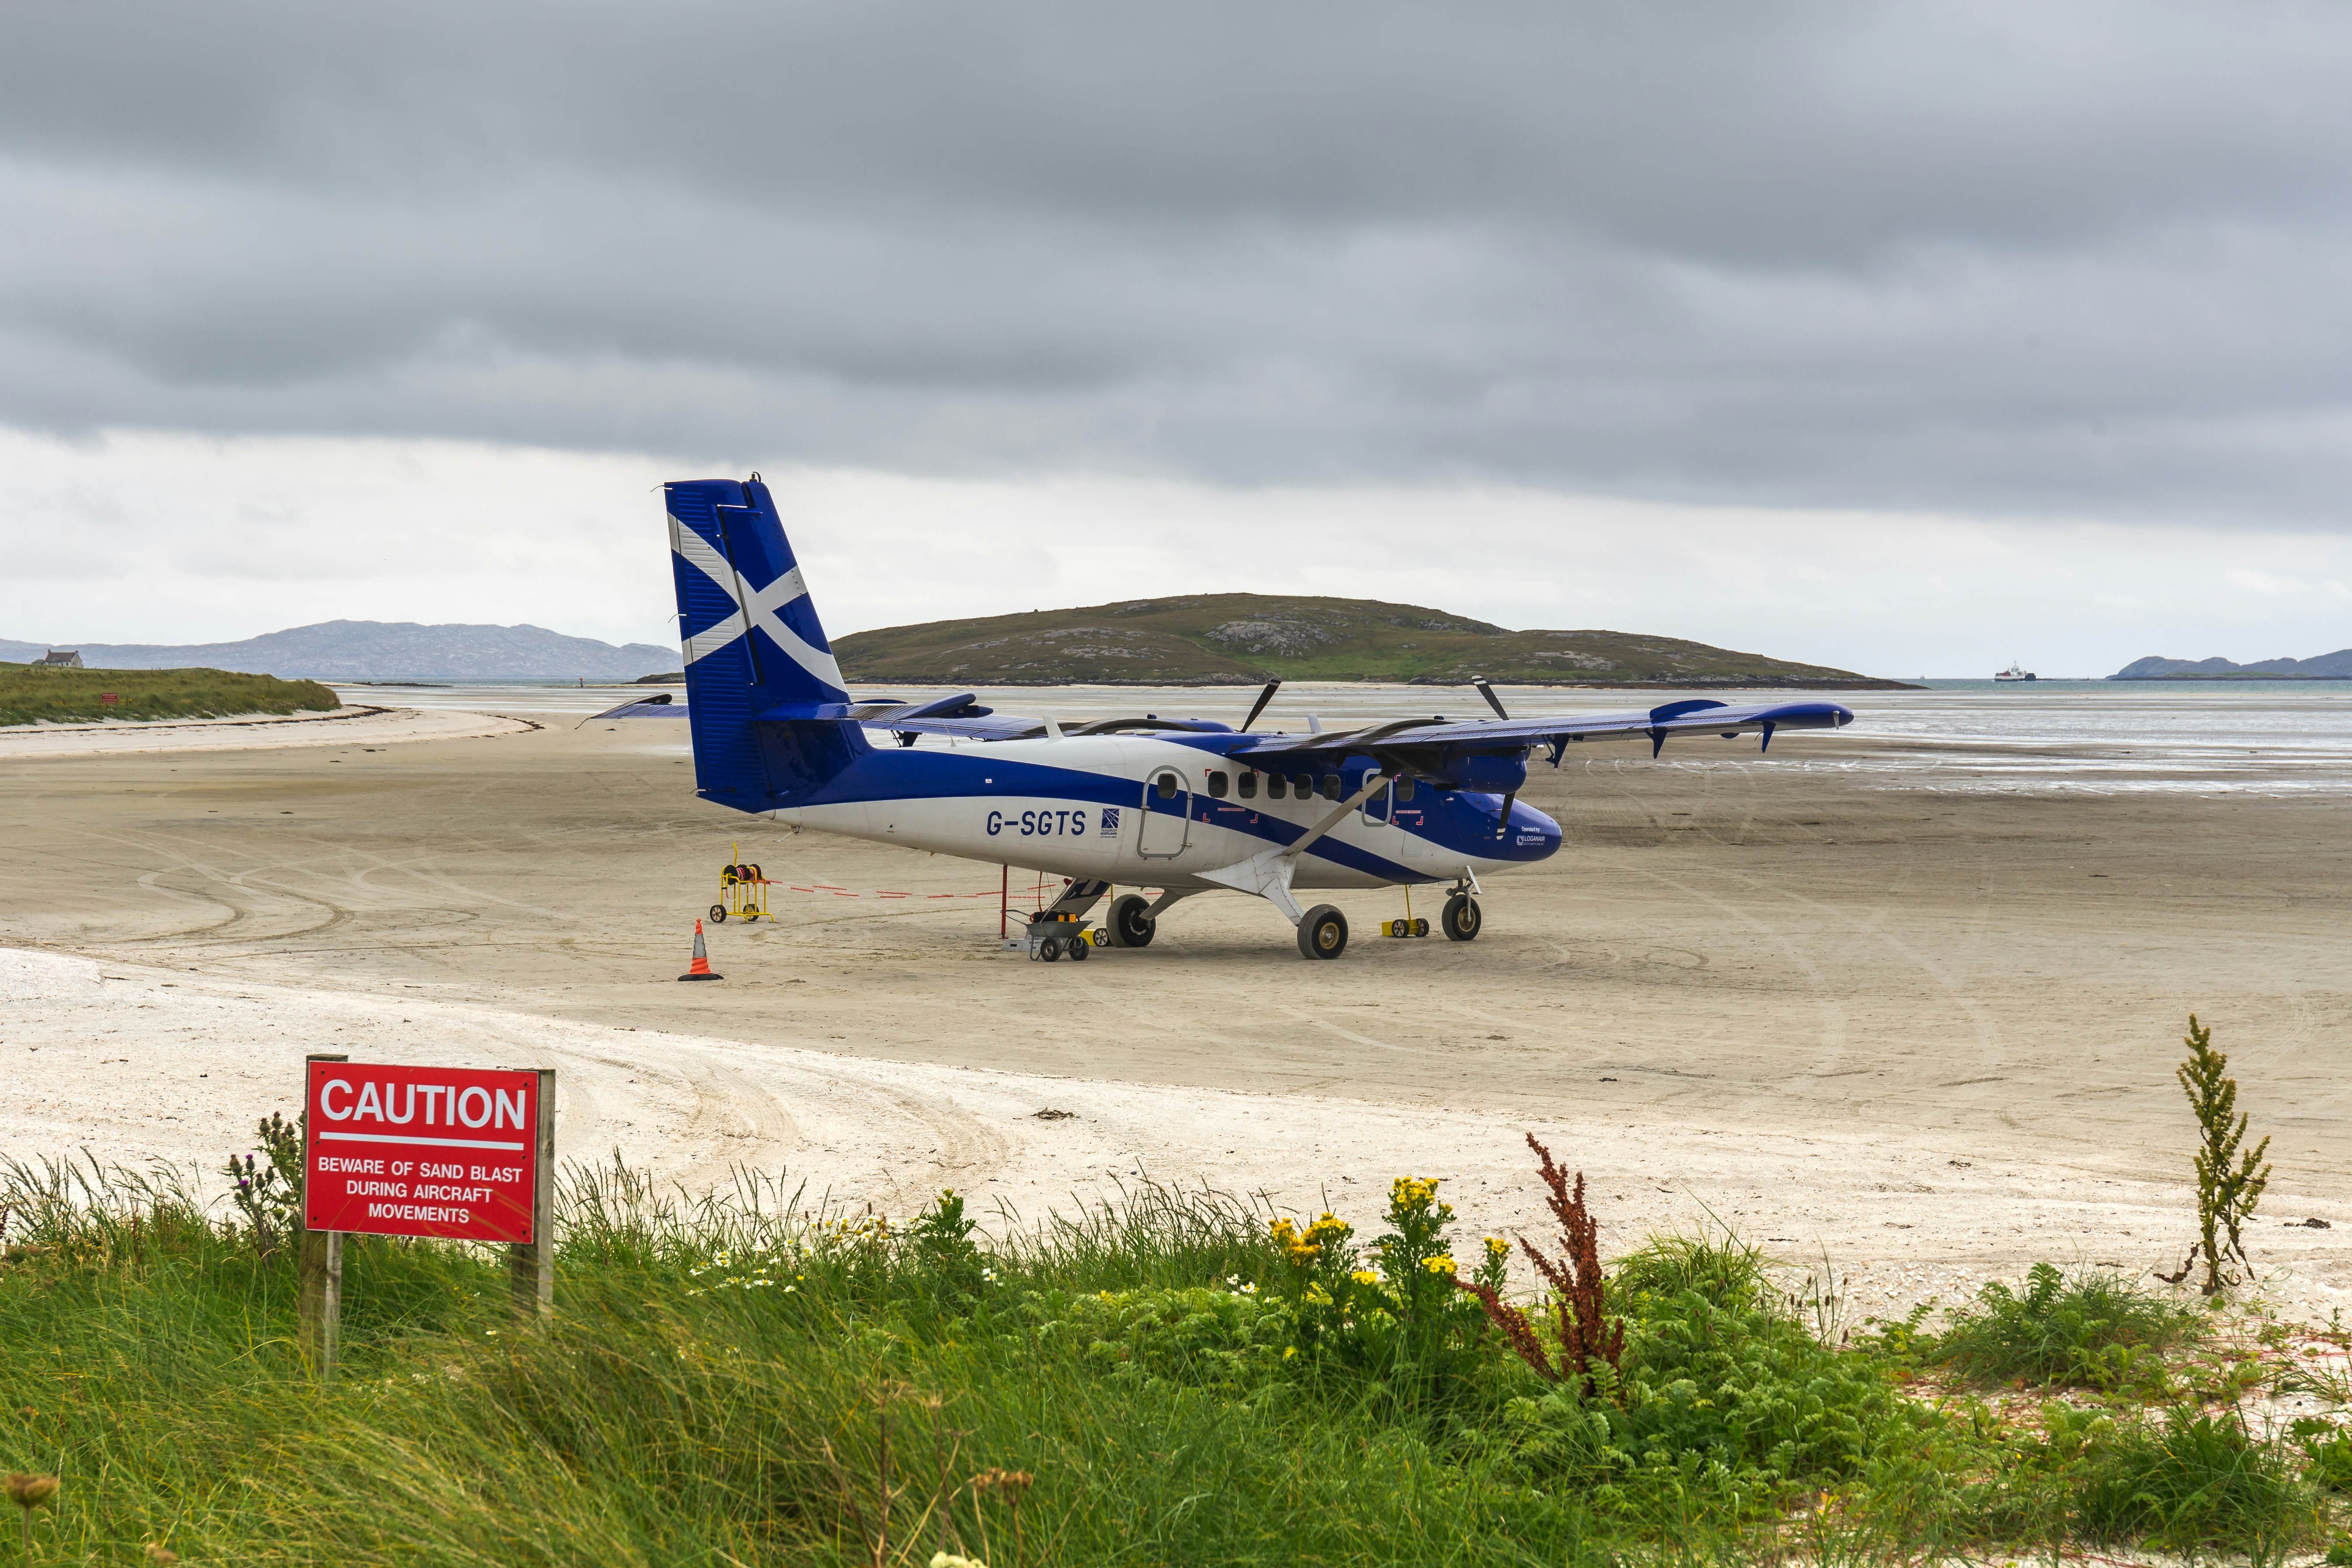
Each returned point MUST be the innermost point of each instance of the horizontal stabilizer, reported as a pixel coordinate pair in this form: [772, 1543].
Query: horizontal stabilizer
[659, 707]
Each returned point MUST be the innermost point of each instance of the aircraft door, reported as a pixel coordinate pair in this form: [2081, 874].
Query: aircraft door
[1167, 814]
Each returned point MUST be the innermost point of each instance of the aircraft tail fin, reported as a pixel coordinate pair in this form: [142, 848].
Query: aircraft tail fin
[753, 645]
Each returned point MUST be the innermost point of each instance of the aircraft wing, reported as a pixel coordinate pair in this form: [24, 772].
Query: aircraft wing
[960, 715]
[1694, 716]
[993, 727]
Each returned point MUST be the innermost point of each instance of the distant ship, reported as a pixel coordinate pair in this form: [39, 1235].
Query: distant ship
[2014, 672]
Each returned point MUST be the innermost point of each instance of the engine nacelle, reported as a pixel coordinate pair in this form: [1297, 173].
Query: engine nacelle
[1503, 774]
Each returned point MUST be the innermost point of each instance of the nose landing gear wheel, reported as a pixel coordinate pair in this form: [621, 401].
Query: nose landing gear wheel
[1131, 925]
[1323, 933]
[1460, 918]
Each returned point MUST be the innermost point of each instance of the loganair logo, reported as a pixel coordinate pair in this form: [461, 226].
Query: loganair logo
[1532, 838]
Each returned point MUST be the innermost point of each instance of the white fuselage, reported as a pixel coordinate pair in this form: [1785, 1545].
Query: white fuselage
[1169, 847]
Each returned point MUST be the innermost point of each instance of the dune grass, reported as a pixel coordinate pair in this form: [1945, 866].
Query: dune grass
[743, 1378]
[29, 695]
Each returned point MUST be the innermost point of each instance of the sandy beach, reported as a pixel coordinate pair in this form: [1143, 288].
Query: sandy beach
[1923, 1029]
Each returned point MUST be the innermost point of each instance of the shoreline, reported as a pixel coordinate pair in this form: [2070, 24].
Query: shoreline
[356, 725]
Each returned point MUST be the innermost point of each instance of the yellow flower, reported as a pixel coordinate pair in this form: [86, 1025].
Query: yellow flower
[1365, 1277]
[1498, 1248]
[1440, 1264]
[1412, 1192]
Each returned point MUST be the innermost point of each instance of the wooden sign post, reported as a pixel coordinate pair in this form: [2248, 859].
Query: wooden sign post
[463, 1153]
[320, 1300]
[531, 1265]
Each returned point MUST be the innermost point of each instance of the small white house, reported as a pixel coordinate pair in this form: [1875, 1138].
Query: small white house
[60, 658]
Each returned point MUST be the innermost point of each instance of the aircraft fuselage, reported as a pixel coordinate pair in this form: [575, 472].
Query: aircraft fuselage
[1101, 808]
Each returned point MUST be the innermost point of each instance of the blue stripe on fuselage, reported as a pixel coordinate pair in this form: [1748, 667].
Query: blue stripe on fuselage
[1457, 821]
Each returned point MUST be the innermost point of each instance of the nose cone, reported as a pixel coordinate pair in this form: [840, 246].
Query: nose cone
[1530, 835]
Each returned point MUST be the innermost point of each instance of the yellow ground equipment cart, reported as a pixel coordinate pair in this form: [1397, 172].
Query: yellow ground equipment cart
[743, 893]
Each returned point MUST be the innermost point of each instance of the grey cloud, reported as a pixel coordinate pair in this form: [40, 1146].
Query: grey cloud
[2070, 258]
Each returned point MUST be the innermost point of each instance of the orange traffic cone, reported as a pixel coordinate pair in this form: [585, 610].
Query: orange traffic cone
[701, 968]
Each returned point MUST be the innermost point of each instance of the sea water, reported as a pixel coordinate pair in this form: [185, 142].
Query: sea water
[2275, 737]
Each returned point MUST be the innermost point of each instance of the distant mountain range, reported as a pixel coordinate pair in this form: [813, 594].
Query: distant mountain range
[383, 650]
[1202, 640]
[2336, 666]
[1234, 639]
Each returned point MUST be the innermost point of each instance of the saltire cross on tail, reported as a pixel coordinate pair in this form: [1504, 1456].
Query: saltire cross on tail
[1188, 806]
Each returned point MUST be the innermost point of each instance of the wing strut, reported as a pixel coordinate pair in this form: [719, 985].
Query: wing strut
[1269, 874]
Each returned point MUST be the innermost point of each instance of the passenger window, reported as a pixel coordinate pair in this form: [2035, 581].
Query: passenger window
[1331, 790]
[1275, 786]
[1404, 787]
[1216, 787]
[1166, 786]
[1249, 786]
[1304, 783]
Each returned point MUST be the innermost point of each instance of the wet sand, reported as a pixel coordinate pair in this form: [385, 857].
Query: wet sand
[1930, 1031]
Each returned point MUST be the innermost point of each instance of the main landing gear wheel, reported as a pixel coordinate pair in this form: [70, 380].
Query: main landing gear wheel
[719, 914]
[1131, 925]
[1461, 918]
[1323, 933]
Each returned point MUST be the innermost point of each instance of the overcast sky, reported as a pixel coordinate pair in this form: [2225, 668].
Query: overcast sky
[1900, 338]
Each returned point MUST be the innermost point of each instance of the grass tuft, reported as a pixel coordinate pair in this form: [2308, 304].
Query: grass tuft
[1724, 1271]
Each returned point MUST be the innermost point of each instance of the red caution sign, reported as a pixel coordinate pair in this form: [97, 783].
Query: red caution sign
[409, 1151]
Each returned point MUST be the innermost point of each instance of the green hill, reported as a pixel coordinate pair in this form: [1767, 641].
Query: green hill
[1240, 640]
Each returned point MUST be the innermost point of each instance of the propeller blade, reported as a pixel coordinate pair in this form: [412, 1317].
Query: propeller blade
[1259, 706]
[1503, 824]
[1488, 693]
